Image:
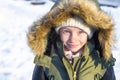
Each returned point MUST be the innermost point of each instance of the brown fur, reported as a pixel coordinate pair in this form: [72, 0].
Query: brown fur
[85, 9]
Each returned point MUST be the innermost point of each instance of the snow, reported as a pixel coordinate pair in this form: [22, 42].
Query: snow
[16, 58]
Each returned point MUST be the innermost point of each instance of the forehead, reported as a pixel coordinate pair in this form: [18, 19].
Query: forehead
[71, 28]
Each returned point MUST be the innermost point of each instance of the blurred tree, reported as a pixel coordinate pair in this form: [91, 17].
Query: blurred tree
[110, 3]
[53, 0]
[38, 2]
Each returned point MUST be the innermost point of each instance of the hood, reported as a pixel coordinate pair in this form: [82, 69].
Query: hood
[88, 10]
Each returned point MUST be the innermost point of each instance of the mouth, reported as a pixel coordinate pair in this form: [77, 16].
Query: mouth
[72, 45]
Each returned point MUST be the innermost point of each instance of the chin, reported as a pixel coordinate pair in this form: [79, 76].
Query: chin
[74, 51]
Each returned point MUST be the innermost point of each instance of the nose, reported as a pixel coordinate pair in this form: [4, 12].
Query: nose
[73, 37]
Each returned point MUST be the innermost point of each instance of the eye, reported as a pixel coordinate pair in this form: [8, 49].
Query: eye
[66, 32]
[80, 32]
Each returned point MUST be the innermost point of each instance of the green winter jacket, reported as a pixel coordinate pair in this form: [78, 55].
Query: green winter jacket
[90, 66]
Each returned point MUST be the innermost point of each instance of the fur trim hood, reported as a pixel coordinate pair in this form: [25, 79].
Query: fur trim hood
[88, 10]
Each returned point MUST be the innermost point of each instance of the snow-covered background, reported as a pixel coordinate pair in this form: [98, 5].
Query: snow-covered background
[16, 59]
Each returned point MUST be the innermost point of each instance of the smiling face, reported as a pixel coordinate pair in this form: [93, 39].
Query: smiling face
[73, 38]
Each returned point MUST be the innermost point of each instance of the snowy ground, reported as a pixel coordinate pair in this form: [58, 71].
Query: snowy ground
[16, 59]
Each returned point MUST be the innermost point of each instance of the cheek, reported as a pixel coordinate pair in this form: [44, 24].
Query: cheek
[84, 39]
[63, 38]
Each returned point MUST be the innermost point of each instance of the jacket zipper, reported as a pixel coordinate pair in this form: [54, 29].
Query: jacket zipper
[77, 68]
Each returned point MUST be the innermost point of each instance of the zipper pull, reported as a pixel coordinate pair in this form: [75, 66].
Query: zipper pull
[74, 76]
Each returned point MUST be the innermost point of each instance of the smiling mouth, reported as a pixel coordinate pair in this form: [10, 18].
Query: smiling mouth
[72, 46]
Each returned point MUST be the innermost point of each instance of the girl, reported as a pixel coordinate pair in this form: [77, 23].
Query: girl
[73, 41]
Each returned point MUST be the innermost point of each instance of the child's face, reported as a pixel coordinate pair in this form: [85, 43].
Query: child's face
[73, 38]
